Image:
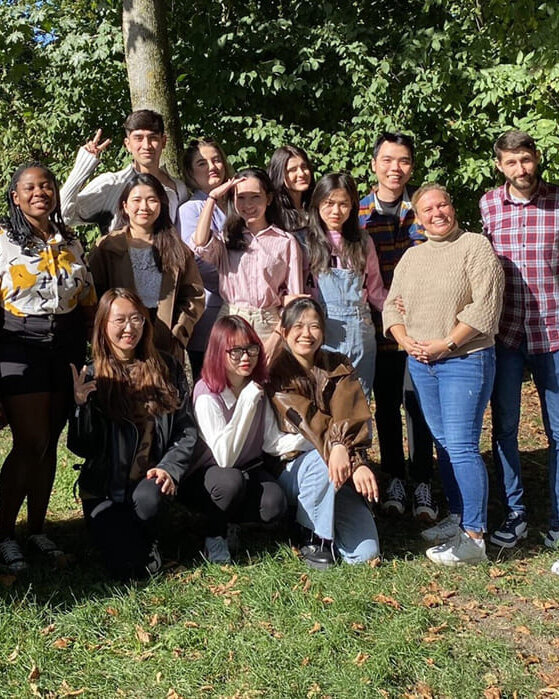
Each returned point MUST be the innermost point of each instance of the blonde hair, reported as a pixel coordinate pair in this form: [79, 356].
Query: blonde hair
[429, 187]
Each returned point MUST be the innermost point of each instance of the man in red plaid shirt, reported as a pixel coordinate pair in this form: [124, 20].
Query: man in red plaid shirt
[521, 219]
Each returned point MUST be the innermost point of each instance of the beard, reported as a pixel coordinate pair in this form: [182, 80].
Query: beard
[524, 183]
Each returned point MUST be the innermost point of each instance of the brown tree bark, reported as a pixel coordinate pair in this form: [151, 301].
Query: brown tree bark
[152, 84]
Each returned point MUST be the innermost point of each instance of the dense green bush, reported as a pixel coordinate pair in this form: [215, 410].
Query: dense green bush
[325, 75]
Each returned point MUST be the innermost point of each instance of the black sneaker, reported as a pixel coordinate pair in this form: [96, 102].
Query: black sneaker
[511, 531]
[154, 563]
[12, 556]
[318, 556]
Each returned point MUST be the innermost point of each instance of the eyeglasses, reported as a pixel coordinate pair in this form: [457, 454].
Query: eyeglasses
[236, 353]
[136, 321]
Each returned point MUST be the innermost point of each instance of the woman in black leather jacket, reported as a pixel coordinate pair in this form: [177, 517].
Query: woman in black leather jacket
[134, 428]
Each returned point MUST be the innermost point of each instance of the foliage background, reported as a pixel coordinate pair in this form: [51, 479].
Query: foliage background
[328, 76]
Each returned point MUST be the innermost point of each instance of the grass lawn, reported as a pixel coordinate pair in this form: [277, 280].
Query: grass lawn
[270, 627]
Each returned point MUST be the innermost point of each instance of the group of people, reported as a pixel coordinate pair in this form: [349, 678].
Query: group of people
[240, 325]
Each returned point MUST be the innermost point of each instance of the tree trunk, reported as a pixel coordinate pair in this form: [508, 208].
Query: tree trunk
[151, 80]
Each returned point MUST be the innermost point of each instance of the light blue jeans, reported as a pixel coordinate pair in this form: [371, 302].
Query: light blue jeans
[505, 407]
[453, 394]
[342, 517]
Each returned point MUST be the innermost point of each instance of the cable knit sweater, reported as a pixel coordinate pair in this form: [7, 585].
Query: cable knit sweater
[445, 281]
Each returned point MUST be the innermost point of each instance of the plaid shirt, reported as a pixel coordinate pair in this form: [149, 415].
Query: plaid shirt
[391, 240]
[525, 236]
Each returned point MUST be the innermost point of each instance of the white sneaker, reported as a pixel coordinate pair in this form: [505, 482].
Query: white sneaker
[395, 497]
[462, 550]
[555, 568]
[154, 563]
[216, 550]
[442, 532]
[424, 507]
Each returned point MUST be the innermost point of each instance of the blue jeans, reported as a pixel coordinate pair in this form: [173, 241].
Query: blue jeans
[453, 394]
[505, 406]
[342, 517]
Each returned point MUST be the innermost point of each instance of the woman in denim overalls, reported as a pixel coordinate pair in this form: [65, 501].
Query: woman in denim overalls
[341, 271]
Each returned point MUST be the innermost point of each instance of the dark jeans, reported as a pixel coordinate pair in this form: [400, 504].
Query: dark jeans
[125, 531]
[232, 495]
[392, 388]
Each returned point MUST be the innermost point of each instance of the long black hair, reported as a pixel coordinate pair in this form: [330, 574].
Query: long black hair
[20, 231]
[292, 219]
[354, 239]
[235, 224]
[170, 251]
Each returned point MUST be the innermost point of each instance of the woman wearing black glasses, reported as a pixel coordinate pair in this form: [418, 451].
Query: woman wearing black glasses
[133, 427]
[231, 484]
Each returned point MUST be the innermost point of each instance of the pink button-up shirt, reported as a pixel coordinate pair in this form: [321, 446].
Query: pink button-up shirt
[260, 275]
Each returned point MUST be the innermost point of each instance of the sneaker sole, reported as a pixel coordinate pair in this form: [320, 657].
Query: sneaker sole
[456, 564]
[318, 566]
[508, 544]
[425, 516]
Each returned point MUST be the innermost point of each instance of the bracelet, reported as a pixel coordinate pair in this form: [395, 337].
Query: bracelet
[451, 345]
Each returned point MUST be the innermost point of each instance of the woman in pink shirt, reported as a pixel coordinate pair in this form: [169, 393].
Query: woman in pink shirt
[344, 273]
[259, 264]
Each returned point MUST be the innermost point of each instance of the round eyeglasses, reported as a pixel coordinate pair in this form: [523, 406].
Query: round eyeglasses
[236, 353]
[136, 321]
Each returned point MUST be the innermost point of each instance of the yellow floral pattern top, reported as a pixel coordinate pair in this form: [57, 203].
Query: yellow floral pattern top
[50, 277]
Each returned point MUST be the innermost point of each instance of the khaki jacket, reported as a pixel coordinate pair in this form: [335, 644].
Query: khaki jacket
[338, 412]
[181, 299]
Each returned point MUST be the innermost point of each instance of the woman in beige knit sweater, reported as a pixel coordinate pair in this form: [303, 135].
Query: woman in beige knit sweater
[451, 288]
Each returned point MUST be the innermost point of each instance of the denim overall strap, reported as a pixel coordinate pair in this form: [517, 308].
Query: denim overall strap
[349, 327]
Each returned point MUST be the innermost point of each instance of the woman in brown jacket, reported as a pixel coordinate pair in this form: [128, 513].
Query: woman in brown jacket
[146, 255]
[326, 428]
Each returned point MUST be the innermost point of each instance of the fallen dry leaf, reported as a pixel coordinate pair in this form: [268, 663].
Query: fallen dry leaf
[171, 694]
[154, 620]
[493, 589]
[523, 629]
[315, 628]
[158, 677]
[328, 600]
[356, 626]
[111, 611]
[314, 690]
[431, 601]
[34, 674]
[306, 660]
[143, 636]
[492, 693]
[545, 604]
[389, 601]
[190, 625]
[374, 562]
[495, 572]
[62, 643]
[361, 658]
[48, 629]
[66, 691]
[13, 655]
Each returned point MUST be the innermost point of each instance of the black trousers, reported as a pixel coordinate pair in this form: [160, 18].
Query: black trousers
[232, 495]
[125, 531]
[393, 388]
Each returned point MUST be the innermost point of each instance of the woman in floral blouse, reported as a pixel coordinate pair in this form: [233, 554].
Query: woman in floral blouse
[47, 299]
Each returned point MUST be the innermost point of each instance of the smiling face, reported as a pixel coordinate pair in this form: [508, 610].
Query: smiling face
[142, 206]
[251, 202]
[35, 195]
[520, 168]
[435, 213]
[297, 174]
[208, 168]
[146, 147]
[305, 337]
[393, 167]
[124, 329]
[334, 209]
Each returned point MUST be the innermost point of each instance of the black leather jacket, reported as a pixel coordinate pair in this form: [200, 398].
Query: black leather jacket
[109, 447]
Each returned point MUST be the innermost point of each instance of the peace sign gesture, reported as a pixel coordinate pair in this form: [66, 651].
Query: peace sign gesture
[95, 147]
[82, 389]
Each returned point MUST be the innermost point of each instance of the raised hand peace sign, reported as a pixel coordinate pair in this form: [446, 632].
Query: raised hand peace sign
[95, 147]
[82, 388]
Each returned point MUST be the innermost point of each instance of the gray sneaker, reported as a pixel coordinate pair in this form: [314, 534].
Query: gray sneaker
[442, 532]
[395, 497]
[216, 550]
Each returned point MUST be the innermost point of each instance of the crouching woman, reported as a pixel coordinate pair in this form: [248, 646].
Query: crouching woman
[325, 430]
[133, 427]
